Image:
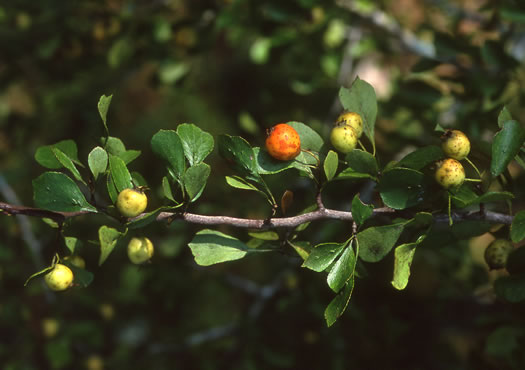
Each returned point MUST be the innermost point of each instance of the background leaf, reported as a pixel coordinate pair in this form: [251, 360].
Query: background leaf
[517, 229]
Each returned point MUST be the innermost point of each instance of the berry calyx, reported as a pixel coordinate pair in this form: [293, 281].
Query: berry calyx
[60, 278]
[131, 202]
[497, 253]
[140, 250]
[455, 144]
[343, 138]
[450, 173]
[283, 142]
[353, 120]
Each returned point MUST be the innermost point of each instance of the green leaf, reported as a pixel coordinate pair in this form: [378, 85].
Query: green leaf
[264, 235]
[82, 277]
[39, 273]
[195, 180]
[310, 139]
[465, 196]
[68, 163]
[240, 154]
[503, 342]
[517, 229]
[45, 157]
[103, 106]
[503, 117]
[108, 238]
[129, 156]
[98, 161]
[113, 145]
[505, 146]
[361, 98]
[401, 188]
[343, 270]
[360, 211]
[266, 165]
[404, 255]
[210, 247]
[330, 165]
[166, 188]
[376, 242]
[322, 256]
[119, 173]
[168, 145]
[362, 162]
[511, 288]
[239, 183]
[148, 218]
[422, 157]
[350, 174]
[112, 190]
[338, 305]
[73, 244]
[55, 191]
[197, 143]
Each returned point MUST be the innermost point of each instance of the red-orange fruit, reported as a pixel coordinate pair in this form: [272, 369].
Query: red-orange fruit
[283, 142]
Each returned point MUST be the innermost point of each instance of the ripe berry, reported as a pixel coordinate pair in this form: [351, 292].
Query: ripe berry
[353, 120]
[140, 250]
[131, 202]
[76, 261]
[60, 278]
[455, 144]
[450, 173]
[497, 253]
[283, 142]
[343, 138]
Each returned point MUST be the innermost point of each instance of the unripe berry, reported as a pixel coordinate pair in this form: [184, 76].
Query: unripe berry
[353, 120]
[283, 142]
[60, 278]
[455, 144]
[497, 253]
[343, 138]
[140, 250]
[131, 202]
[450, 173]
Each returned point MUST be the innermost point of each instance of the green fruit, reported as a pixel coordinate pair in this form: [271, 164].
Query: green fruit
[353, 120]
[343, 138]
[131, 202]
[450, 173]
[455, 144]
[140, 250]
[497, 253]
[60, 278]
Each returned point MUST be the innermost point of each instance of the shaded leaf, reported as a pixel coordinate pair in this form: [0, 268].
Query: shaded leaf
[119, 173]
[360, 211]
[503, 117]
[168, 145]
[517, 229]
[376, 242]
[45, 157]
[310, 139]
[108, 238]
[337, 307]
[343, 270]
[363, 162]
[195, 179]
[505, 146]
[401, 188]
[73, 244]
[422, 157]
[240, 155]
[511, 288]
[68, 164]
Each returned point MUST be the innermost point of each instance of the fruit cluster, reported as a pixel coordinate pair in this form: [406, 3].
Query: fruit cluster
[347, 130]
[456, 146]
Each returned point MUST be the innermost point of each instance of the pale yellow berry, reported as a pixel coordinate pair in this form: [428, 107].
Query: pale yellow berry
[140, 250]
[60, 278]
[450, 173]
[455, 144]
[131, 202]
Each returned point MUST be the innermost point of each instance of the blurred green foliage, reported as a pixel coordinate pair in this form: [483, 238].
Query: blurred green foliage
[237, 67]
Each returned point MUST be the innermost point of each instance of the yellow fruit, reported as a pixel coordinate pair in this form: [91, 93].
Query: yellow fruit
[450, 173]
[76, 261]
[343, 138]
[455, 144]
[60, 278]
[353, 120]
[140, 250]
[497, 253]
[131, 202]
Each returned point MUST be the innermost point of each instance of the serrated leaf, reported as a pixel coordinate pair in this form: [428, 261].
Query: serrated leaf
[343, 270]
[210, 247]
[403, 256]
[103, 107]
[168, 145]
[195, 179]
[422, 157]
[376, 242]
[330, 165]
[505, 146]
[240, 155]
[401, 188]
[108, 238]
[68, 164]
[119, 173]
[98, 161]
[197, 143]
[55, 191]
[361, 98]
[360, 211]
[337, 307]
[517, 229]
[322, 256]
[503, 117]
[45, 157]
